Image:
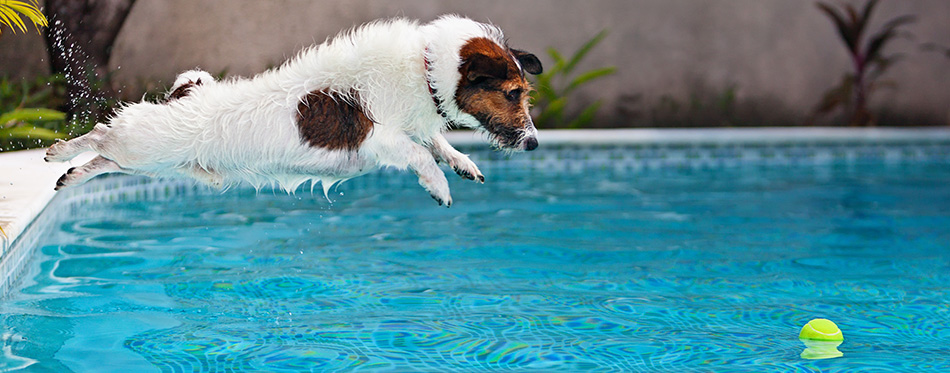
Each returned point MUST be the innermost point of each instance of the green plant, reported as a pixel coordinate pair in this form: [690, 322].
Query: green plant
[27, 117]
[19, 124]
[10, 11]
[704, 107]
[555, 86]
[868, 60]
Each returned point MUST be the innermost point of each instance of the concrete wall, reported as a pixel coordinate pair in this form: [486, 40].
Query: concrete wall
[679, 61]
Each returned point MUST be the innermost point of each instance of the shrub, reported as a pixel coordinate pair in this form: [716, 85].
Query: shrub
[556, 84]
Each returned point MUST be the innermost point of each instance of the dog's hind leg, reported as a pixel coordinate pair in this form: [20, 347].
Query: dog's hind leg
[204, 175]
[78, 175]
[63, 151]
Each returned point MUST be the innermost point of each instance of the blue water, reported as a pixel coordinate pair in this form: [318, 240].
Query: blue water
[584, 270]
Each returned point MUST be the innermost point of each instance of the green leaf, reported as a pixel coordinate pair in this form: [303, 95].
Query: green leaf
[27, 131]
[589, 76]
[545, 89]
[582, 52]
[586, 116]
[551, 113]
[554, 86]
[31, 115]
[726, 101]
[559, 62]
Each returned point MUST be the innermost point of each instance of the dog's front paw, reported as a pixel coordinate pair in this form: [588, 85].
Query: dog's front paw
[441, 195]
[54, 152]
[466, 168]
[438, 188]
[447, 201]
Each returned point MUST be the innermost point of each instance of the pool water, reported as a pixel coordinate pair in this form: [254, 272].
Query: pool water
[572, 270]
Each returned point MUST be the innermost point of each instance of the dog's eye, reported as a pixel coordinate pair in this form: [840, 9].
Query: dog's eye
[513, 95]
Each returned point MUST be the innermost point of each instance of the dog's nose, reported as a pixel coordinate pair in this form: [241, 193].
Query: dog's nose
[530, 143]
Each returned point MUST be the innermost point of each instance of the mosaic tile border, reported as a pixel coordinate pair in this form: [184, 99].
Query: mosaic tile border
[561, 151]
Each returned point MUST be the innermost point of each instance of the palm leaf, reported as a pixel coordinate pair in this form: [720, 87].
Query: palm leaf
[865, 17]
[881, 65]
[31, 11]
[845, 31]
[887, 32]
[9, 16]
[852, 15]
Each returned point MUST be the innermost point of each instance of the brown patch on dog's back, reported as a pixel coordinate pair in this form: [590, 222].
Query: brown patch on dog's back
[182, 91]
[333, 122]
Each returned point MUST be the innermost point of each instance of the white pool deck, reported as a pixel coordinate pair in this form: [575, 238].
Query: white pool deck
[26, 181]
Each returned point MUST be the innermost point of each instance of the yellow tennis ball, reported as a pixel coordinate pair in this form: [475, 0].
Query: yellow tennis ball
[821, 330]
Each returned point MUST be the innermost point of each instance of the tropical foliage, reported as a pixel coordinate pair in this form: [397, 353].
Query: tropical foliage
[26, 117]
[10, 11]
[19, 120]
[556, 84]
[868, 60]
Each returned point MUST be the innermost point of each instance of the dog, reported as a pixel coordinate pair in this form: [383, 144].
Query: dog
[379, 95]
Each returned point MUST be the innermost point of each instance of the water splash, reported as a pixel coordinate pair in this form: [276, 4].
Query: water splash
[80, 75]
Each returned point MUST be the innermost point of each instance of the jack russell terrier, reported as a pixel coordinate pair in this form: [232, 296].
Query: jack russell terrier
[378, 95]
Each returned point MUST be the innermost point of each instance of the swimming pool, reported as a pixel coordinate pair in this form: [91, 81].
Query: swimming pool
[576, 258]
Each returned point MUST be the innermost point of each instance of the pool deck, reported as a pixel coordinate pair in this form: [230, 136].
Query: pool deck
[26, 181]
[26, 187]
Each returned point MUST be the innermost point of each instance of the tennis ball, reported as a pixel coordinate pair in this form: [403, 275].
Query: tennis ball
[821, 330]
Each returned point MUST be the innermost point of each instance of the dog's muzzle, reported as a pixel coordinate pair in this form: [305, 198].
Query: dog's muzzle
[530, 143]
[529, 140]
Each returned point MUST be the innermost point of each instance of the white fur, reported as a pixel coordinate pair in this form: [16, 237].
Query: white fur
[245, 129]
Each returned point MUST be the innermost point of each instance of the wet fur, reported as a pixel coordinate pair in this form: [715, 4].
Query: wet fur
[362, 100]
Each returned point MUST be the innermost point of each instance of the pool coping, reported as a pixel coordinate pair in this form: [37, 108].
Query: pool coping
[26, 181]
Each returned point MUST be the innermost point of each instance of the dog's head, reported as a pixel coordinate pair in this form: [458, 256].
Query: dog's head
[493, 89]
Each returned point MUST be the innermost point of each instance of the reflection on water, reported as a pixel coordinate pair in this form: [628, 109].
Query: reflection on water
[677, 271]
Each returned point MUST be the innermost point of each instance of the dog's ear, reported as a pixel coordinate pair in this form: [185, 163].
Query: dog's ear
[529, 62]
[480, 67]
